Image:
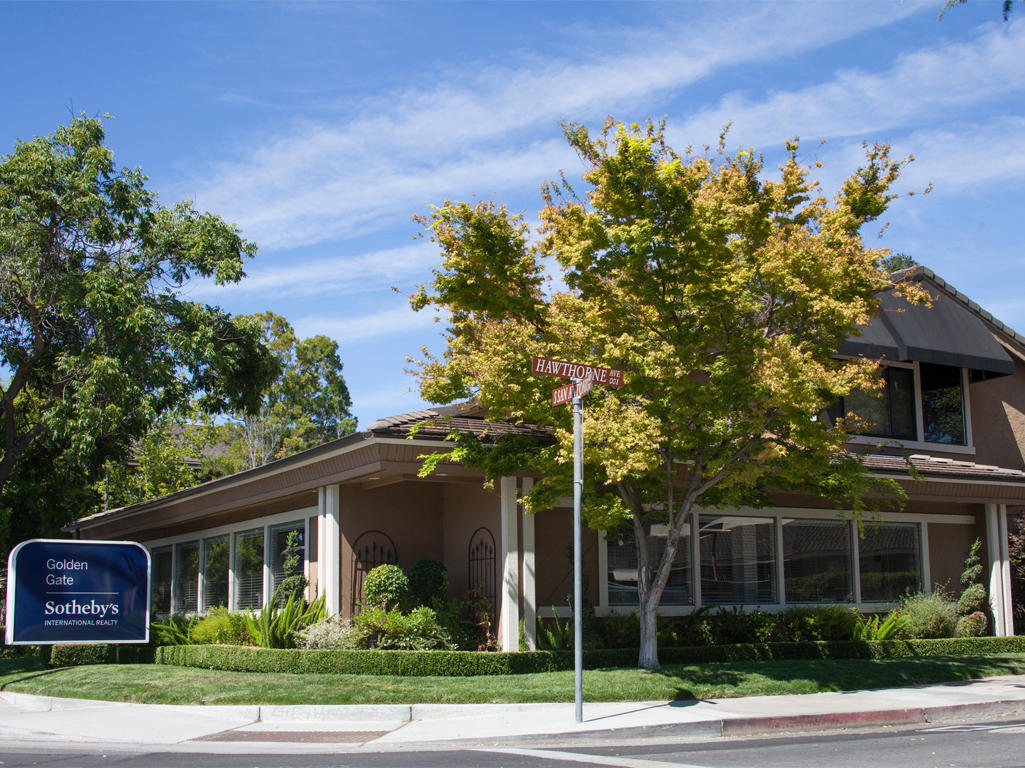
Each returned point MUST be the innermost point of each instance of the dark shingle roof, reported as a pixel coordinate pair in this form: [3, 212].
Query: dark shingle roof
[437, 423]
[934, 466]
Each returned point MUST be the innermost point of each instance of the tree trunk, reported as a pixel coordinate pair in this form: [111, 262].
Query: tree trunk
[647, 658]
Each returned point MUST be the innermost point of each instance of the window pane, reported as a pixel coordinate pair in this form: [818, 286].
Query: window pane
[161, 580]
[249, 569]
[738, 562]
[891, 412]
[215, 572]
[900, 386]
[817, 561]
[890, 561]
[622, 560]
[942, 404]
[186, 584]
[288, 554]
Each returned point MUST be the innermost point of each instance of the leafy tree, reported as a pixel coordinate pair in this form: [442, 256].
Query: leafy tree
[93, 330]
[723, 296]
[166, 459]
[307, 404]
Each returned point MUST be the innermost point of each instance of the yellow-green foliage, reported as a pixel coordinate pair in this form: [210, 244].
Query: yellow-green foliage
[721, 292]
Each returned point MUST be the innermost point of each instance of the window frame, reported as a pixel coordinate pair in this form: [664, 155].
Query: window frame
[920, 443]
[268, 522]
[777, 514]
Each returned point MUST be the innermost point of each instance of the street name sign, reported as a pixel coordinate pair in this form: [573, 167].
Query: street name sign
[567, 392]
[61, 591]
[562, 369]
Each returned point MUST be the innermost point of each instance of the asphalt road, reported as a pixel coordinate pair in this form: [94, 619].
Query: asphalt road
[990, 744]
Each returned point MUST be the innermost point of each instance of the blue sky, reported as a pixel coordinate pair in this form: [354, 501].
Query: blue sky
[319, 129]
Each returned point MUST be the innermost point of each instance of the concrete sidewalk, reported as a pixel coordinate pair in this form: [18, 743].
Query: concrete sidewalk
[26, 719]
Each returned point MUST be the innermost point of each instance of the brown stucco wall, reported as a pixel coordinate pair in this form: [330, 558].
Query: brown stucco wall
[468, 507]
[948, 546]
[409, 513]
[553, 541]
[998, 419]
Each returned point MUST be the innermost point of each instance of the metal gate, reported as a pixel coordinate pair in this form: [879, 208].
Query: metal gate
[370, 550]
[482, 559]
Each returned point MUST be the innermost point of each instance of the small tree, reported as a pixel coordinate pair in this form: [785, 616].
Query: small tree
[722, 294]
[973, 593]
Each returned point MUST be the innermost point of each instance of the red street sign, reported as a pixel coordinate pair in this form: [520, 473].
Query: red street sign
[561, 369]
[565, 393]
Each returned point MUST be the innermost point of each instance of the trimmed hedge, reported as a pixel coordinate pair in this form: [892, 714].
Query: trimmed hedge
[100, 653]
[471, 663]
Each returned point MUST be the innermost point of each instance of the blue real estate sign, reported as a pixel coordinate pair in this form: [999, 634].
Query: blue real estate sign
[77, 592]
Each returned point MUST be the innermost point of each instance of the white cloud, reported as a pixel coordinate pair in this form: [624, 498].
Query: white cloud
[341, 275]
[351, 331]
[922, 86]
[317, 180]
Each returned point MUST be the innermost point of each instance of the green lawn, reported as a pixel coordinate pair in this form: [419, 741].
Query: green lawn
[159, 684]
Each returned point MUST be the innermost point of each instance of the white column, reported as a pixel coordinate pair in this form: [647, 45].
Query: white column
[268, 589]
[232, 581]
[1005, 560]
[331, 550]
[695, 556]
[996, 570]
[510, 609]
[320, 542]
[529, 574]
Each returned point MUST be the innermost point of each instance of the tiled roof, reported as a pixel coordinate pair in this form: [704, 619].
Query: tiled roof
[934, 466]
[439, 422]
[919, 271]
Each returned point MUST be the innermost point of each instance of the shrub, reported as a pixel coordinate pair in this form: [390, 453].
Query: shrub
[275, 626]
[464, 663]
[99, 653]
[972, 600]
[876, 629]
[972, 625]
[620, 630]
[928, 616]
[175, 630]
[221, 626]
[335, 632]
[419, 630]
[428, 583]
[554, 634]
[386, 586]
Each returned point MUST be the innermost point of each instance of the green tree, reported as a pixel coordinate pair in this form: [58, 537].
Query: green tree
[93, 330]
[723, 296]
[307, 404]
[165, 459]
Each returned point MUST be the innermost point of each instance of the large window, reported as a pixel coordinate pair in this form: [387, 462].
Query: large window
[894, 412]
[817, 563]
[890, 413]
[943, 418]
[738, 560]
[186, 578]
[163, 561]
[622, 565]
[288, 552]
[890, 560]
[249, 569]
[215, 572]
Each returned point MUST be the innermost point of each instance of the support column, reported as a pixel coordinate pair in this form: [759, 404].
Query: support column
[330, 549]
[509, 623]
[529, 574]
[994, 550]
[1005, 560]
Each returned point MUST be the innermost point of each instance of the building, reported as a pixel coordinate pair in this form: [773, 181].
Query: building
[954, 409]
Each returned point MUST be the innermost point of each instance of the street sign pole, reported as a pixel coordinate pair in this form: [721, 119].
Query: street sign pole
[582, 378]
[578, 488]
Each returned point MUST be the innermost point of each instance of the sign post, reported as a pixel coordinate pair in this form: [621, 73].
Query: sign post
[61, 591]
[584, 377]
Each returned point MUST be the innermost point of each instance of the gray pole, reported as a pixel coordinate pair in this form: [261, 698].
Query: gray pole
[578, 487]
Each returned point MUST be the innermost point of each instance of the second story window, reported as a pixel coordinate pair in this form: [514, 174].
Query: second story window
[924, 403]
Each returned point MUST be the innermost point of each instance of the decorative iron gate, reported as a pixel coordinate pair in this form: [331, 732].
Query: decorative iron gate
[482, 559]
[370, 550]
